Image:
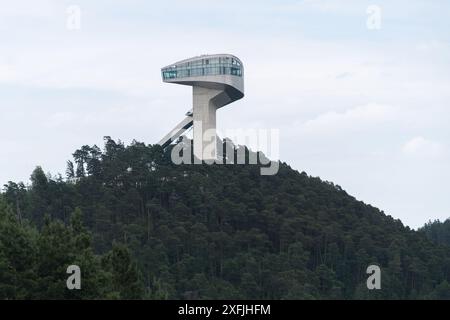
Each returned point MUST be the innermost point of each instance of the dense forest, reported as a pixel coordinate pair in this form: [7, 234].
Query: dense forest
[141, 227]
[437, 231]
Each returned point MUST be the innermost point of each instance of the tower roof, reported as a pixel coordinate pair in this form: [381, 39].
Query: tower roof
[215, 71]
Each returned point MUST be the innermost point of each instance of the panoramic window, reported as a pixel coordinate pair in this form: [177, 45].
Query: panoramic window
[213, 66]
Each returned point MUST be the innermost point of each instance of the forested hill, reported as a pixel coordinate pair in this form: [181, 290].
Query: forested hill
[141, 227]
[437, 231]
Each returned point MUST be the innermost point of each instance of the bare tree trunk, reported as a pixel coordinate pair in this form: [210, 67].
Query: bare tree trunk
[19, 213]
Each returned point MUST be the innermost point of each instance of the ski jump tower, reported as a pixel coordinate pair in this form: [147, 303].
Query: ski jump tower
[216, 80]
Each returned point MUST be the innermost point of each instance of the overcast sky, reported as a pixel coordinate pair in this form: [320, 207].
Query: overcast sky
[366, 108]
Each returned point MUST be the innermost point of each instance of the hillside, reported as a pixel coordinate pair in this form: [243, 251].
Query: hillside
[437, 231]
[160, 231]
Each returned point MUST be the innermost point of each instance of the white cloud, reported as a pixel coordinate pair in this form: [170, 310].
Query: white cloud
[7, 72]
[432, 45]
[29, 9]
[419, 146]
[358, 117]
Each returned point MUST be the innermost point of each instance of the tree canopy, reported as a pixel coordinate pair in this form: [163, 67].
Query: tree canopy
[141, 227]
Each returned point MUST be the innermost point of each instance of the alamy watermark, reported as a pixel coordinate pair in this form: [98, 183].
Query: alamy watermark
[74, 280]
[374, 280]
[73, 20]
[214, 151]
[373, 21]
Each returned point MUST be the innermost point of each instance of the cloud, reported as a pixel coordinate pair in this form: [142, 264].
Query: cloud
[343, 75]
[354, 118]
[419, 146]
[432, 45]
[24, 8]
[7, 72]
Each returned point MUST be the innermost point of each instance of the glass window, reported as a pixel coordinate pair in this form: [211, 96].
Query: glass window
[200, 67]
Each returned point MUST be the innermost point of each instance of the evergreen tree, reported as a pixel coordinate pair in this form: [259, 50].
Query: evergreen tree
[139, 226]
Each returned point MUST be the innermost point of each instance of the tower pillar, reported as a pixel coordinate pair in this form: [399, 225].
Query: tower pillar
[204, 112]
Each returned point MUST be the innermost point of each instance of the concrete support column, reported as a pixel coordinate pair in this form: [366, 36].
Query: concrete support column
[204, 110]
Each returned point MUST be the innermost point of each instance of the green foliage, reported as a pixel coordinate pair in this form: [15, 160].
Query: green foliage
[437, 231]
[141, 227]
[33, 263]
[126, 282]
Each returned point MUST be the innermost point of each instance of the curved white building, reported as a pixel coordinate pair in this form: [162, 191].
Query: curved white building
[217, 80]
